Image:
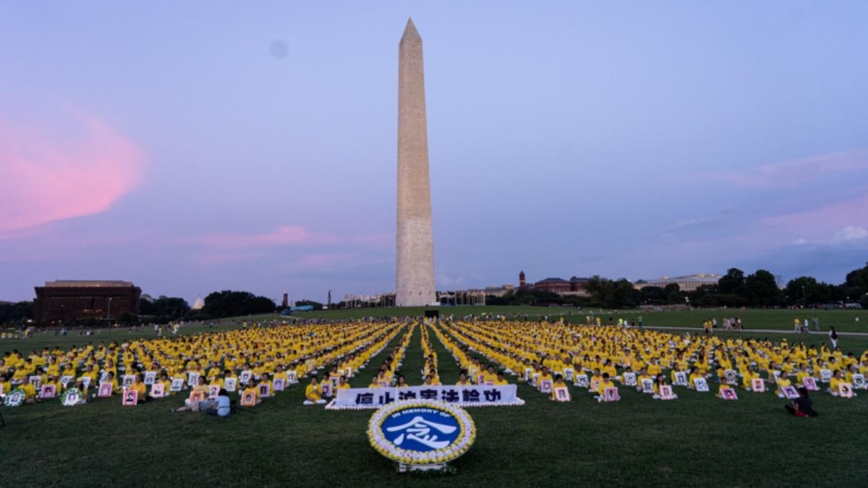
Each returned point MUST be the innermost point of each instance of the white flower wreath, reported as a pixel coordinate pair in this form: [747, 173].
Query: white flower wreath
[466, 436]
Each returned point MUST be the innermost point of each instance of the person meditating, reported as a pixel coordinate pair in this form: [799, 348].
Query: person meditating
[313, 393]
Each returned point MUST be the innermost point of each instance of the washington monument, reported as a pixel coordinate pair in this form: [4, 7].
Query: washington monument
[415, 252]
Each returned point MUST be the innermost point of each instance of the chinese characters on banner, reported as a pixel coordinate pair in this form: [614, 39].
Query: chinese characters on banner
[465, 396]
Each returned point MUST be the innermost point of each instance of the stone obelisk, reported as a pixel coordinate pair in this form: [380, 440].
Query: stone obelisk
[415, 250]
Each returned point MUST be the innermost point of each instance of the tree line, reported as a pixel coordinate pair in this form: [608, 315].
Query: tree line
[161, 310]
[735, 289]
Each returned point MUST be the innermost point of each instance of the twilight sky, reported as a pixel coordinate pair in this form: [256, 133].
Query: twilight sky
[197, 146]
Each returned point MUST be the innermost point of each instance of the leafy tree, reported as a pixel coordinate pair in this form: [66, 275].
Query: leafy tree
[732, 283]
[16, 312]
[622, 294]
[128, 318]
[652, 295]
[600, 290]
[169, 308]
[229, 303]
[858, 278]
[807, 291]
[762, 290]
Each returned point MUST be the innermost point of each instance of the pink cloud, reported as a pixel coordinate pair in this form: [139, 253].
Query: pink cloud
[291, 234]
[47, 178]
[324, 260]
[332, 250]
[819, 223]
[792, 173]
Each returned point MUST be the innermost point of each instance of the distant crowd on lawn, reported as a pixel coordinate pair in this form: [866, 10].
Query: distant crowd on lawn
[257, 363]
[252, 363]
[600, 358]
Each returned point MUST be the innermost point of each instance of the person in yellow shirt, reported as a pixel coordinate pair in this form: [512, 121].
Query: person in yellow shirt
[747, 378]
[29, 390]
[500, 381]
[660, 380]
[490, 376]
[141, 389]
[782, 382]
[802, 374]
[110, 378]
[5, 385]
[559, 383]
[643, 376]
[375, 383]
[462, 379]
[654, 368]
[694, 375]
[596, 380]
[601, 388]
[544, 376]
[343, 384]
[313, 393]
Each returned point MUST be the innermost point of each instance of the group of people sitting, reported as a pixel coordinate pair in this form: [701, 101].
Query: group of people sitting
[244, 362]
[549, 355]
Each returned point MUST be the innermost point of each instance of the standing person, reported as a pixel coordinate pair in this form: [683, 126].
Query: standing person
[816, 321]
[833, 336]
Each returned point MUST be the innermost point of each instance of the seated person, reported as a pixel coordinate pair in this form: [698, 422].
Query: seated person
[313, 393]
[220, 406]
[601, 389]
[141, 388]
[659, 381]
[29, 390]
[559, 383]
[782, 382]
[252, 388]
[802, 406]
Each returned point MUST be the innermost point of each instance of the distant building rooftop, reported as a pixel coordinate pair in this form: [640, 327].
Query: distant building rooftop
[86, 283]
[688, 282]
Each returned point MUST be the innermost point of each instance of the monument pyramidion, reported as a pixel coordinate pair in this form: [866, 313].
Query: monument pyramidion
[415, 246]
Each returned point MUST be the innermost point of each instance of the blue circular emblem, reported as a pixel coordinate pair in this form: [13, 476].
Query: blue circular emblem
[423, 432]
[421, 429]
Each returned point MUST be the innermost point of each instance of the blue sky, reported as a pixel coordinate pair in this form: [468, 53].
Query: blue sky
[192, 147]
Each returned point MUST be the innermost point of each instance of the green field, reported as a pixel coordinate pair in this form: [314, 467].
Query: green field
[697, 440]
[842, 320]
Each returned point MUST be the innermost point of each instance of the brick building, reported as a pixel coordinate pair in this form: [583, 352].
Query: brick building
[72, 300]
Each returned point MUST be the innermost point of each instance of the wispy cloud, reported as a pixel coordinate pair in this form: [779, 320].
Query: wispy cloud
[291, 235]
[286, 235]
[819, 222]
[849, 233]
[793, 173]
[47, 178]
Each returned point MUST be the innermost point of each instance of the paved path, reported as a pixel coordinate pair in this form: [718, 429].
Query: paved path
[765, 331]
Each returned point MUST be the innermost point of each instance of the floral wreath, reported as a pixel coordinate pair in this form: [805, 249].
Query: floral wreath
[66, 394]
[15, 398]
[466, 434]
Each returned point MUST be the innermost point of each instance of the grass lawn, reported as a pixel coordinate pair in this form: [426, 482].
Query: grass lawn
[842, 320]
[697, 440]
